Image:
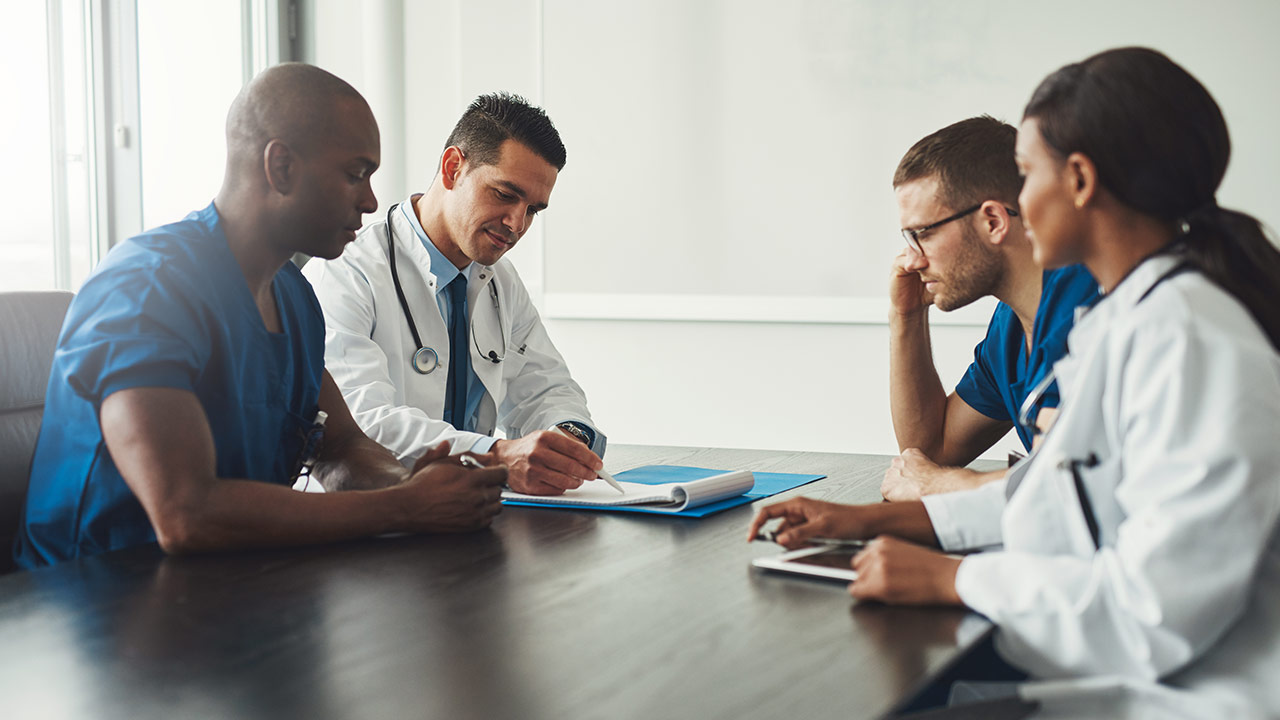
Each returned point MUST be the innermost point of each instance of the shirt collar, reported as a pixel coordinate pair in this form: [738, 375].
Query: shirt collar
[1135, 285]
[444, 270]
[1123, 297]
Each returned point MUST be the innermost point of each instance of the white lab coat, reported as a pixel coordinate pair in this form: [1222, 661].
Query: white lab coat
[368, 347]
[1178, 396]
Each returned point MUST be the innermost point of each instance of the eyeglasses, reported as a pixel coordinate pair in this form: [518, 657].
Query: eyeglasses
[912, 235]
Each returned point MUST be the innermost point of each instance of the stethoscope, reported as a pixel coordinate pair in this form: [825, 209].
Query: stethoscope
[425, 360]
[1031, 408]
[1032, 404]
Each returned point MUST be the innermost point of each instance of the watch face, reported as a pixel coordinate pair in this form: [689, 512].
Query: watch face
[575, 431]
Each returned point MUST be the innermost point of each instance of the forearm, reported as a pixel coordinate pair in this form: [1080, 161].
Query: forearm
[912, 476]
[906, 520]
[407, 431]
[241, 514]
[358, 463]
[917, 400]
[1077, 616]
[965, 479]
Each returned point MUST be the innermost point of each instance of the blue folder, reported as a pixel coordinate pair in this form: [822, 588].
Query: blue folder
[766, 484]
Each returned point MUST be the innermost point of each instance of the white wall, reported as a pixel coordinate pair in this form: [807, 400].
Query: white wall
[713, 263]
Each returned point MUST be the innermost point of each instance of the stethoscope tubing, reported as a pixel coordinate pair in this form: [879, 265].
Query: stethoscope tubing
[424, 359]
[1033, 400]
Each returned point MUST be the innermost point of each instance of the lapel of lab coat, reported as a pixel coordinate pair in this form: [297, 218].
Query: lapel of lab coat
[486, 329]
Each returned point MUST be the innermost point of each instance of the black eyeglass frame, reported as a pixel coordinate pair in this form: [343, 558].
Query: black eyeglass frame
[912, 235]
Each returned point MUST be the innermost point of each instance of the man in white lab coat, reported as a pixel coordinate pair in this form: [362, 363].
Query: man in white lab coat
[430, 333]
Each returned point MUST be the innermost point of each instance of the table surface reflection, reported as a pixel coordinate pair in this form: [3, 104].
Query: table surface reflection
[551, 614]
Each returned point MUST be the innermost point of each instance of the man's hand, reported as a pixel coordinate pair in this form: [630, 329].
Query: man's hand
[439, 452]
[445, 496]
[546, 462]
[907, 293]
[902, 573]
[912, 475]
[804, 518]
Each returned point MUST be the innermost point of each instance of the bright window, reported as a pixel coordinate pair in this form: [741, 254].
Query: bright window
[189, 70]
[51, 240]
[118, 121]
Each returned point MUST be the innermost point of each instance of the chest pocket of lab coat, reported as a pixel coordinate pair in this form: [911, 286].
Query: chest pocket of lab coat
[497, 377]
[1090, 485]
[515, 358]
[1099, 482]
[514, 361]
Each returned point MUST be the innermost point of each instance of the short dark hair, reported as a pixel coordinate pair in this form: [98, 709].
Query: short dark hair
[493, 119]
[972, 159]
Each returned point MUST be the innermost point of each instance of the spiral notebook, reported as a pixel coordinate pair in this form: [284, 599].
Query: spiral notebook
[671, 497]
[669, 490]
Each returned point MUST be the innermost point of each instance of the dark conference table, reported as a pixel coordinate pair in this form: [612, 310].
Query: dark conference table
[550, 614]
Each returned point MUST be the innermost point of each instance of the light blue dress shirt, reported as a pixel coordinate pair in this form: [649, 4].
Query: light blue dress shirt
[445, 272]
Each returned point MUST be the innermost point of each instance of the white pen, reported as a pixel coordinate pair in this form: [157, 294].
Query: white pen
[468, 461]
[609, 479]
[601, 472]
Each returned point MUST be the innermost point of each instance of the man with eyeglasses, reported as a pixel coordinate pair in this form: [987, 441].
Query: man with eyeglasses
[957, 194]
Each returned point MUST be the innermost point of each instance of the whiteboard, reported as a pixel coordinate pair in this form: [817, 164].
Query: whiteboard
[746, 148]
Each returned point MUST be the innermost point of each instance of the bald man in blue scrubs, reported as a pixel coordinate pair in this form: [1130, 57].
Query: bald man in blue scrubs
[188, 390]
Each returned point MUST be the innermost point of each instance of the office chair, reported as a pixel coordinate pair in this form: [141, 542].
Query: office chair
[29, 326]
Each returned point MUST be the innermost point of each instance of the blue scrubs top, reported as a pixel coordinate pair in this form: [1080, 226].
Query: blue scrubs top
[168, 308]
[1003, 373]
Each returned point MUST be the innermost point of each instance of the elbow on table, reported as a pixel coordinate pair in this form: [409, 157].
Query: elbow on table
[174, 537]
[181, 532]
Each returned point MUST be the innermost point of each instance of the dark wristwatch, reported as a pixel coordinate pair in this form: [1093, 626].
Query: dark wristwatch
[577, 432]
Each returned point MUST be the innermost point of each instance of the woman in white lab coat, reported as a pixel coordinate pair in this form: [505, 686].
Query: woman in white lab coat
[1132, 562]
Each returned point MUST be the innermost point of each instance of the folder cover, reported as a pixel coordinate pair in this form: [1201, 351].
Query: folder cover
[669, 490]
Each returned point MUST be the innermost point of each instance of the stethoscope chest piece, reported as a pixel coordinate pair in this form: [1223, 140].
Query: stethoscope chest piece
[425, 360]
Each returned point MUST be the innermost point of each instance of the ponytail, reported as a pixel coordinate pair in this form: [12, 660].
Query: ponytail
[1232, 249]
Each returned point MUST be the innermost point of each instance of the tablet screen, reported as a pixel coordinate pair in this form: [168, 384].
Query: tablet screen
[840, 558]
[826, 562]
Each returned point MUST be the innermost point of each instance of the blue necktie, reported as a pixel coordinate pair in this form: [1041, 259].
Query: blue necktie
[455, 398]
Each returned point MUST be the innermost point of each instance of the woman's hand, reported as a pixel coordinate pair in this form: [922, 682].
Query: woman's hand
[902, 573]
[804, 518]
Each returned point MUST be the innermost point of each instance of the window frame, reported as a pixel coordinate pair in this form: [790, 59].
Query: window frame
[113, 144]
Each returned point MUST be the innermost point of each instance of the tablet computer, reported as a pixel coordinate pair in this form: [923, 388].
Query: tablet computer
[821, 561]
